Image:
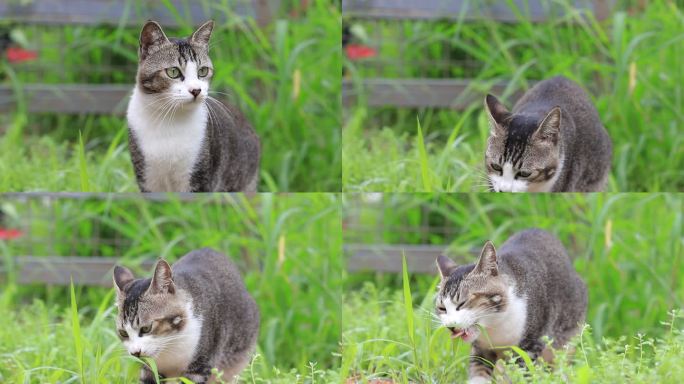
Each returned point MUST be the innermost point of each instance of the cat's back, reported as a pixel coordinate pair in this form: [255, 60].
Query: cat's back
[205, 263]
[235, 149]
[543, 272]
[535, 249]
[556, 91]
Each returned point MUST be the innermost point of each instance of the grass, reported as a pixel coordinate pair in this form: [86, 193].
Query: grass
[629, 249]
[285, 77]
[281, 243]
[629, 63]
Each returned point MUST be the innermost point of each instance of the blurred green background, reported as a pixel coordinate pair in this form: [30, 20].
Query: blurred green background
[284, 75]
[288, 248]
[628, 248]
[630, 64]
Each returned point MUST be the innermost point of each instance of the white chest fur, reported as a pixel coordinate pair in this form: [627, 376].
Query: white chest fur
[170, 141]
[173, 360]
[506, 328]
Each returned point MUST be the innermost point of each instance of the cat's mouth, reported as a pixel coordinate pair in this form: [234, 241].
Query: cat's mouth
[468, 334]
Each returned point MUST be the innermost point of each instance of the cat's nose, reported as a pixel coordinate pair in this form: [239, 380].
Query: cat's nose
[136, 354]
[195, 92]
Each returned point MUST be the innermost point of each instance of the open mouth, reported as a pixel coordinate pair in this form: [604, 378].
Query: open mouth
[466, 334]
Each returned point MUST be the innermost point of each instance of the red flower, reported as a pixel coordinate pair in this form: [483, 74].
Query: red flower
[9, 234]
[16, 55]
[356, 52]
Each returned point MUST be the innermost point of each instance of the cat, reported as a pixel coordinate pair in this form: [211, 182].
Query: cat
[552, 141]
[189, 318]
[511, 297]
[180, 138]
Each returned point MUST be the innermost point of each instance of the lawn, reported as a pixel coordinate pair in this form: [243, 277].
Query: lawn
[629, 63]
[290, 263]
[284, 77]
[629, 249]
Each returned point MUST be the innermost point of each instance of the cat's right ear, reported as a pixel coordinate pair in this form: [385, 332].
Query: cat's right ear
[151, 36]
[121, 277]
[487, 264]
[162, 280]
[445, 266]
[496, 114]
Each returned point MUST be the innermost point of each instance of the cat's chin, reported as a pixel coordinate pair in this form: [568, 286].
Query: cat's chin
[468, 334]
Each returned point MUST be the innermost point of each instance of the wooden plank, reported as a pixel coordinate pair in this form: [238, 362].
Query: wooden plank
[420, 93]
[115, 12]
[60, 270]
[69, 98]
[387, 258]
[150, 196]
[533, 10]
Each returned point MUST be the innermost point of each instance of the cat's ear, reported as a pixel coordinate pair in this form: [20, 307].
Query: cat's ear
[151, 36]
[549, 129]
[445, 266]
[496, 114]
[162, 280]
[487, 264]
[121, 277]
[202, 34]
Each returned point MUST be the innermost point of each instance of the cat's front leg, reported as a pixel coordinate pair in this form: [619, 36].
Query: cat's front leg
[533, 348]
[481, 366]
[147, 377]
[199, 372]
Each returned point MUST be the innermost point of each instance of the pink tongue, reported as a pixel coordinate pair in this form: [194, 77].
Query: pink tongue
[460, 333]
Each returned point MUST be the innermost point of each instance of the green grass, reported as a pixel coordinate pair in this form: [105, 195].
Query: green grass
[629, 249]
[285, 78]
[290, 262]
[630, 64]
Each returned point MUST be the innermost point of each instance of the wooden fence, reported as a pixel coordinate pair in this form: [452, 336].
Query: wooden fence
[107, 98]
[97, 271]
[445, 93]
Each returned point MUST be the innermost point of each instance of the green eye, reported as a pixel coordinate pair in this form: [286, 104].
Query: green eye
[123, 334]
[173, 72]
[203, 71]
[145, 329]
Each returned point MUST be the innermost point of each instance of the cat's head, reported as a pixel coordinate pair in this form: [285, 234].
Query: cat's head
[523, 153]
[470, 296]
[176, 70]
[152, 312]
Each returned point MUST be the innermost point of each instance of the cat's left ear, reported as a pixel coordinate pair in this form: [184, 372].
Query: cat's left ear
[487, 264]
[151, 37]
[549, 129]
[162, 280]
[445, 266]
[202, 34]
[496, 114]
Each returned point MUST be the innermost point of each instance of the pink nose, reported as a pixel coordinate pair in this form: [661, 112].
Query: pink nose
[195, 92]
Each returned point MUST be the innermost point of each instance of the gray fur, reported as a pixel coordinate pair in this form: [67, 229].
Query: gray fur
[229, 315]
[536, 264]
[553, 128]
[229, 158]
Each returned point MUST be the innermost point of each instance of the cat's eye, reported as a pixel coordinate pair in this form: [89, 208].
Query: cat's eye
[146, 329]
[460, 305]
[123, 334]
[203, 71]
[441, 309]
[173, 72]
[495, 167]
[522, 175]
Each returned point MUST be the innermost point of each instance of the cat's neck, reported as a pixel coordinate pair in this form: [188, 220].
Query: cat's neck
[506, 327]
[172, 362]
